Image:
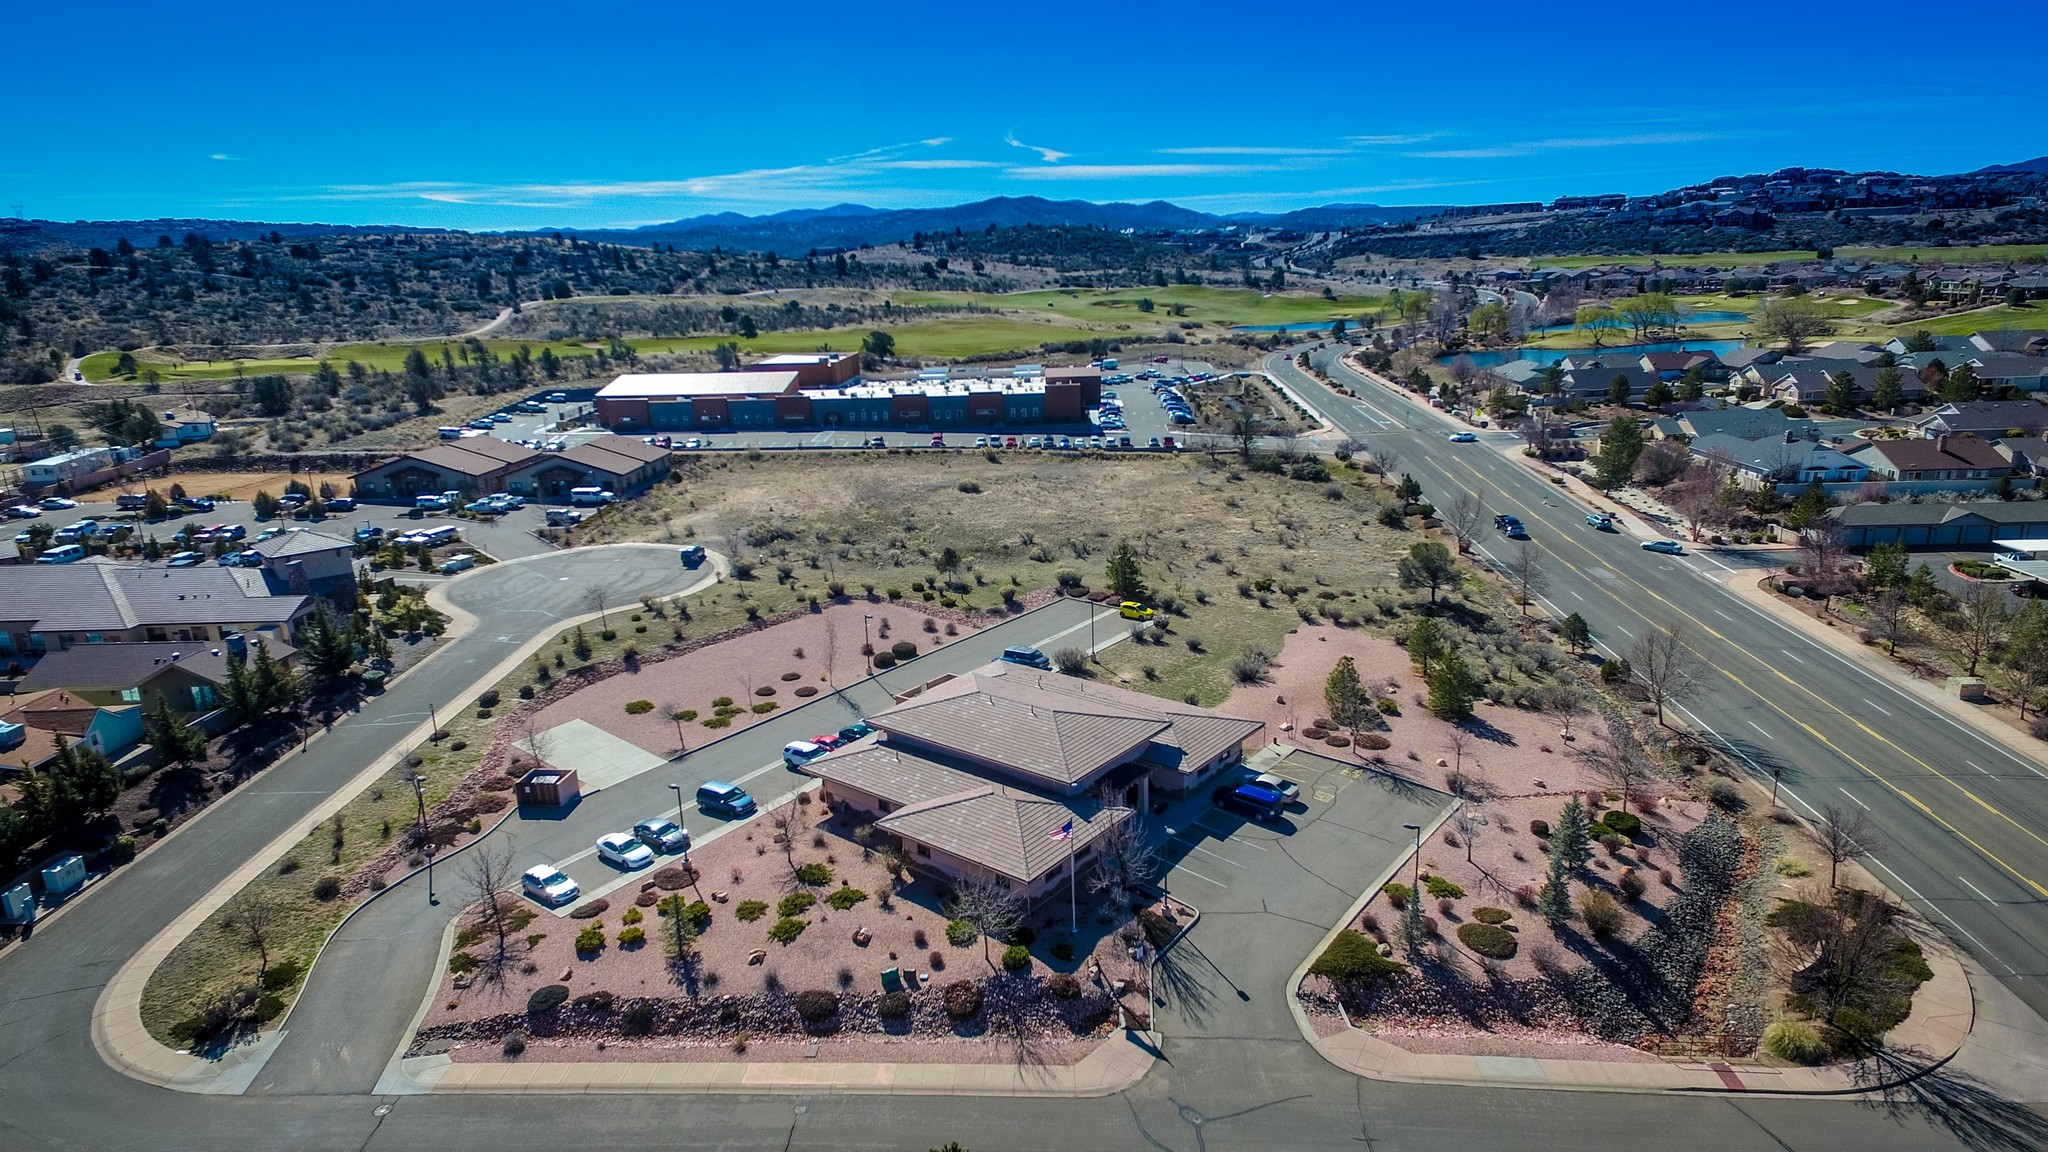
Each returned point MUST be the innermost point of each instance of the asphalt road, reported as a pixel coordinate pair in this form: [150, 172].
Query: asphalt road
[1962, 818]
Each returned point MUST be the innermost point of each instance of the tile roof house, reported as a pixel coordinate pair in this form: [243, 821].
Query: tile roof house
[1986, 418]
[620, 463]
[1786, 461]
[49, 715]
[44, 607]
[971, 775]
[1944, 464]
[188, 676]
[474, 465]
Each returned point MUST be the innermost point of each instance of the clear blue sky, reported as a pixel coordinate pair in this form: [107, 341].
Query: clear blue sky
[514, 115]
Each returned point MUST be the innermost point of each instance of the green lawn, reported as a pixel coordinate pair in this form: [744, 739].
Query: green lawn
[2030, 315]
[1961, 254]
[388, 356]
[1220, 307]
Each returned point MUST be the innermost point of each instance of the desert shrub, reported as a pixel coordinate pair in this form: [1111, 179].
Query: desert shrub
[460, 964]
[1063, 951]
[963, 999]
[815, 874]
[1016, 958]
[1492, 915]
[1489, 940]
[1064, 985]
[1540, 829]
[599, 999]
[816, 1004]
[1632, 884]
[514, 1044]
[546, 999]
[1442, 888]
[903, 649]
[845, 898]
[750, 910]
[696, 913]
[1374, 742]
[1337, 741]
[1398, 895]
[1792, 867]
[959, 933]
[591, 939]
[639, 707]
[1353, 960]
[884, 660]
[893, 1005]
[671, 878]
[936, 960]
[2038, 727]
[1022, 934]
[586, 911]
[795, 904]
[787, 929]
[326, 888]
[1795, 1041]
[1723, 794]
[1601, 912]
[1623, 823]
[638, 1020]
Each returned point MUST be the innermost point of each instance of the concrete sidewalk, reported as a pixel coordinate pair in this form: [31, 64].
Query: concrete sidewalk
[1116, 1064]
[1944, 1012]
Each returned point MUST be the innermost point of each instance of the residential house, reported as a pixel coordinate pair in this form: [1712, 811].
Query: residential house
[2029, 454]
[622, 464]
[2022, 341]
[474, 466]
[1852, 350]
[1747, 424]
[46, 716]
[187, 426]
[308, 562]
[2023, 373]
[1791, 462]
[1673, 365]
[190, 677]
[1986, 419]
[1942, 525]
[1737, 359]
[51, 607]
[970, 777]
[1947, 463]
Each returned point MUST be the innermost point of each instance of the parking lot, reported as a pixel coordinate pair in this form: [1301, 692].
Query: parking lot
[1269, 890]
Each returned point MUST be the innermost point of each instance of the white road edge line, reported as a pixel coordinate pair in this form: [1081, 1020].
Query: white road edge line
[1852, 797]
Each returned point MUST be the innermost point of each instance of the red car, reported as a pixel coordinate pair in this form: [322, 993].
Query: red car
[828, 743]
[1009, 441]
[1167, 443]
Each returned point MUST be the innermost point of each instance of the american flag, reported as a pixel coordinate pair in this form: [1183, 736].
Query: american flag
[1063, 832]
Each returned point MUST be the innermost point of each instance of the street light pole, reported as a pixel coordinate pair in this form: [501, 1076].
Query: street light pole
[419, 792]
[1415, 884]
[867, 644]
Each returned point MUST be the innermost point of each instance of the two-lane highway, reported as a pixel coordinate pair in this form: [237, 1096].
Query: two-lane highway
[1963, 818]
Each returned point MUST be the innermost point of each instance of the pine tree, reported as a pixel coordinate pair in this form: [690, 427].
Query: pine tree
[1453, 689]
[1126, 579]
[1554, 902]
[1886, 392]
[1886, 566]
[327, 649]
[240, 691]
[1575, 633]
[1572, 840]
[174, 740]
[1621, 444]
[1344, 695]
[273, 685]
[1810, 508]
[1426, 643]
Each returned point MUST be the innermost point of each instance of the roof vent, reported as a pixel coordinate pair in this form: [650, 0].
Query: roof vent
[175, 655]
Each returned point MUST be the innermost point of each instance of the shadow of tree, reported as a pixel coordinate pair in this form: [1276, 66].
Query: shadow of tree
[1904, 1082]
[1178, 982]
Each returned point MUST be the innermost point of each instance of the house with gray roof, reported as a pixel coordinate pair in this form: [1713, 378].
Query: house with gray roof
[191, 678]
[1988, 419]
[1747, 424]
[971, 776]
[2013, 370]
[1968, 524]
[47, 607]
[1788, 461]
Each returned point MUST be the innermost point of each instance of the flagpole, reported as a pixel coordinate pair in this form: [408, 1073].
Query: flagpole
[1073, 882]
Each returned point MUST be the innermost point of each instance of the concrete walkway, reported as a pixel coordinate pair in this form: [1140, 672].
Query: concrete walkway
[1943, 1013]
[1116, 1064]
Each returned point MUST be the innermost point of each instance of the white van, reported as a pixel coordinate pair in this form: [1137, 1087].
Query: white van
[62, 554]
[444, 534]
[451, 433]
[594, 497]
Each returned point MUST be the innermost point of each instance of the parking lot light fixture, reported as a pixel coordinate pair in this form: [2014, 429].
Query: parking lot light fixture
[1415, 884]
[867, 644]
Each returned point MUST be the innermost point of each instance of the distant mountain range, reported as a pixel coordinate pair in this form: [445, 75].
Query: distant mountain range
[852, 225]
[2038, 166]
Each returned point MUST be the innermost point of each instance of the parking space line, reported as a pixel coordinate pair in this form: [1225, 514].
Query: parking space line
[1197, 875]
[1193, 847]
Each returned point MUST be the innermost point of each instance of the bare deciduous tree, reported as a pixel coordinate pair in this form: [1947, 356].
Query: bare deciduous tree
[1245, 427]
[1665, 666]
[1126, 862]
[1564, 700]
[990, 908]
[1465, 515]
[1823, 555]
[787, 825]
[1469, 823]
[1843, 835]
[1976, 627]
[1386, 459]
[1525, 569]
[1458, 742]
[1697, 496]
[492, 878]
[1889, 615]
[1614, 756]
[254, 920]
[1840, 949]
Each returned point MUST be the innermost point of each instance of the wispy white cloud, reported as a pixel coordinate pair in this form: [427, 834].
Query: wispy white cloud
[1560, 143]
[933, 164]
[1249, 150]
[1131, 171]
[1049, 155]
[1391, 141]
[229, 158]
